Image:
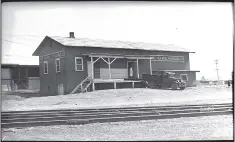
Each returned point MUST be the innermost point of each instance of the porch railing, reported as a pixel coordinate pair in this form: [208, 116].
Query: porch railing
[80, 85]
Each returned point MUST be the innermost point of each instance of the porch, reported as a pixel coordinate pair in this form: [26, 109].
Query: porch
[113, 71]
[100, 84]
[105, 71]
[106, 66]
[90, 84]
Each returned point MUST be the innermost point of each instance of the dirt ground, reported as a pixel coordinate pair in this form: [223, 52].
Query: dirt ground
[20, 94]
[190, 128]
[119, 98]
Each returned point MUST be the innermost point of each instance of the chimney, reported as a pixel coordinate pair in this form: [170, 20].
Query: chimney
[71, 35]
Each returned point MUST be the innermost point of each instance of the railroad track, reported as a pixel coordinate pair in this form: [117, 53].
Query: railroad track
[19, 119]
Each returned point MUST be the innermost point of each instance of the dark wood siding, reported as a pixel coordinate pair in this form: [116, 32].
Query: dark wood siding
[144, 67]
[119, 64]
[70, 78]
[191, 77]
[33, 72]
[75, 77]
[167, 65]
[49, 82]
[97, 67]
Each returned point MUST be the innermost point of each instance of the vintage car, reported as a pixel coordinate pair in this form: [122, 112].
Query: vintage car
[163, 79]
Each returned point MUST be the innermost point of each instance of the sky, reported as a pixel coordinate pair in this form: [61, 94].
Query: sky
[205, 28]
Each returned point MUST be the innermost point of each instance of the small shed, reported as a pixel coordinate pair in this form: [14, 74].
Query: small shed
[15, 76]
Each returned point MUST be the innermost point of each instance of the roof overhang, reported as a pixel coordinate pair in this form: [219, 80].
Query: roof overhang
[35, 53]
[16, 65]
[105, 55]
[179, 70]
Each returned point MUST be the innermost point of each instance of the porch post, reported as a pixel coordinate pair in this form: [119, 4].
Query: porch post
[92, 73]
[115, 85]
[138, 68]
[92, 68]
[150, 65]
[109, 68]
[27, 75]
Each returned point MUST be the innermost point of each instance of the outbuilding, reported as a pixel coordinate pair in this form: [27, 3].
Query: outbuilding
[66, 63]
[17, 77]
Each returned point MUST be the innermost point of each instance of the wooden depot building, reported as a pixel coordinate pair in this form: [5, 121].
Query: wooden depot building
[66, 63]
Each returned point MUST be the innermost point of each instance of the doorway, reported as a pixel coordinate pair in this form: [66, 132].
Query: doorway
[133, 65]
[60, 89]
[96, 69]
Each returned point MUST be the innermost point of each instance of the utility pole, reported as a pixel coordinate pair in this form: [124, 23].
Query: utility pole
[217, 69]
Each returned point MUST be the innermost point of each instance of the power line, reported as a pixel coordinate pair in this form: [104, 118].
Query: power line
[17, 42]
[24, 35]
[26, 38]
[19, 56]
[23, 40]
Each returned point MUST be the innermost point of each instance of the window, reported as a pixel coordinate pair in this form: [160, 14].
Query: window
[45, 67]
[184, 77]
[57, 65]
[78, 64]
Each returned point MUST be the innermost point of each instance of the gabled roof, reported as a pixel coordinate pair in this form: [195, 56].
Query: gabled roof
[178, 70]
[116, 44]
[16, 65]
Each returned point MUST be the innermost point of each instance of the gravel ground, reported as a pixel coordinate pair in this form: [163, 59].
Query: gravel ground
[191, 128]
[123, 97]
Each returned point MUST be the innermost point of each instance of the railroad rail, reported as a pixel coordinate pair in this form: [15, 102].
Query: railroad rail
[17, 119]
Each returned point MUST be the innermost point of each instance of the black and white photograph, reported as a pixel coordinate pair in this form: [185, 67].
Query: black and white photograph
[117, 71]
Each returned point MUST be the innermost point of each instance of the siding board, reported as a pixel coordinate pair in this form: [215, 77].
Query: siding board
[5, 74]
[117, 73]
[49, 82]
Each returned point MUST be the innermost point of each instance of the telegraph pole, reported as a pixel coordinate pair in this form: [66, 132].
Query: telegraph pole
[217, 69]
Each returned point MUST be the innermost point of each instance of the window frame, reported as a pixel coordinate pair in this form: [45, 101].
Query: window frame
[75, 63]
[57, 59]
[185, 75]
[45, 62]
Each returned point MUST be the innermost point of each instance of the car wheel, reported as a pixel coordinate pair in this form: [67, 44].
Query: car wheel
[174, 86]
[182, 88]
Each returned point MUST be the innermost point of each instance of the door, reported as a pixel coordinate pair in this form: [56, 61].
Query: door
[60, 89]
[89, 71]
[96, 69]
[133, 65]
